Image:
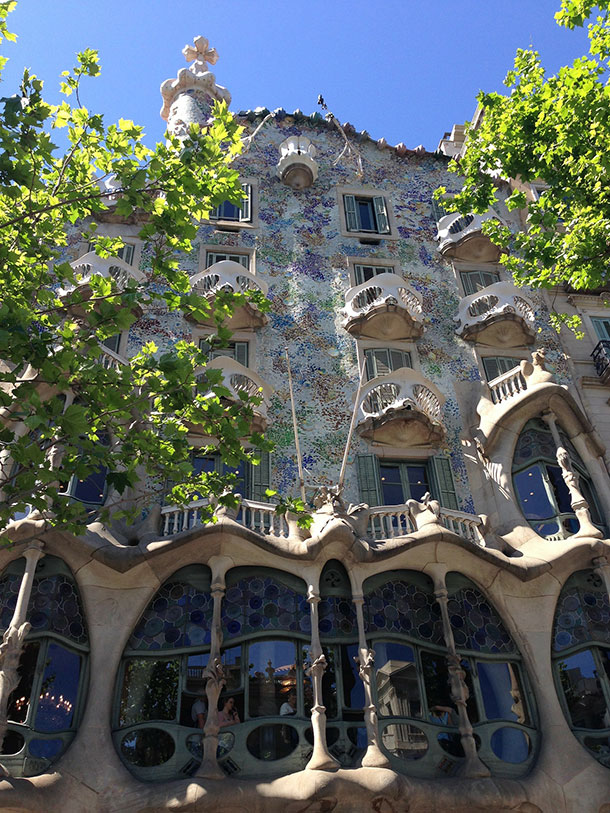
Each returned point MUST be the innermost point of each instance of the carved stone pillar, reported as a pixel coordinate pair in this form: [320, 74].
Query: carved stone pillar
[374, 757]
[13, 638]
[215, 681]
[473, 767]
[602, 568]
[321, 759]
[571, 479]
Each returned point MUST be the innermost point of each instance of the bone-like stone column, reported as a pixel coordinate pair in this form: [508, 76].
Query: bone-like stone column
[13, 638]
[472, 768]
[214, 674]
[321, 759]
[570, 477]
[374, 757]
[602, 568]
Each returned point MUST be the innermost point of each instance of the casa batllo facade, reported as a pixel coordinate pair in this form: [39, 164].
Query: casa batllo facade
[440, 638]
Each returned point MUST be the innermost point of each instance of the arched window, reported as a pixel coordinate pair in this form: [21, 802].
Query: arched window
[543, 495]
[161, 679]
[418, 718]
[581, 656]
[45, 707]
[342, 689]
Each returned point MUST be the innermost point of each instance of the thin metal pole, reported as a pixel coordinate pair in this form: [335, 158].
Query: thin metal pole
[348, 442]
[296, 431]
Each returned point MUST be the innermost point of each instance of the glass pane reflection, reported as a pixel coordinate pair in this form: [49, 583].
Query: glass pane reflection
[502, 693]
[19, 700]
[532, 494]
[398, 692]
[441, 707]
[272, 676]
[150, 690]
[510, 744]
[582, 691]
[405, 741]
[59, 689]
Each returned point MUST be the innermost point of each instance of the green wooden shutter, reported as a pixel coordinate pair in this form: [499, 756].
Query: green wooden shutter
[241, 353]
[245, 213]
[381, 215]
[351, 218]
[602, 327]
[368, 479]
[438, 210]
[259, 479]
[442, 477]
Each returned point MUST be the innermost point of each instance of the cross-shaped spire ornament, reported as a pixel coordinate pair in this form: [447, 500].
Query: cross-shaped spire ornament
[199, 54]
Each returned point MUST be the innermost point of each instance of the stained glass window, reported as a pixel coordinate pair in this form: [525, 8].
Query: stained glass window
[475, 623]
[583, 612]
[404, 607]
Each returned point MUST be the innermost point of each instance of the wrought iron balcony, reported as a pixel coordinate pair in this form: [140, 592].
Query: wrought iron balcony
[601, 359]
[239, 379]
[499, 315]
[384, 307]
[460, 237]
[402, 408]
[110, 267]
[231, 276]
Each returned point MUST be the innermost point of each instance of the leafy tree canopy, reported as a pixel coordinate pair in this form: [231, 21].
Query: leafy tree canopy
[554, 130]
[66, 415]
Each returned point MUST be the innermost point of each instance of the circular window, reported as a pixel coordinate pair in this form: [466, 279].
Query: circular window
[332, 735]
[510, 744]
[452, 743]
[147, 747]
[405, 741]
[271, 742]
[45, 749]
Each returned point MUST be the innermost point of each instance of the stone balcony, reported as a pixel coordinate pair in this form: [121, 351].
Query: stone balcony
[401, 409]
[499, 316]
[384, 307]
[236, 379]
[110, 267]
[231, 276]
[461, 238]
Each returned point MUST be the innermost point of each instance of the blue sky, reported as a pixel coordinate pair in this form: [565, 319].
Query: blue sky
[406, 70]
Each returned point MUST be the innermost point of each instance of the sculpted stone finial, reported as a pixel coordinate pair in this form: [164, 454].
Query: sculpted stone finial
[426, 512]
[199, 54]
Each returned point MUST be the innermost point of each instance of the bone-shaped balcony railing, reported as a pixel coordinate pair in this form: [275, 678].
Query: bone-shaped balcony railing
[497, 300]
[226, 274]
[111, 267]
[380, 291]
[401, 389]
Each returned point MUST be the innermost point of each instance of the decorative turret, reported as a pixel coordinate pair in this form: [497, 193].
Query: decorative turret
[189, 98]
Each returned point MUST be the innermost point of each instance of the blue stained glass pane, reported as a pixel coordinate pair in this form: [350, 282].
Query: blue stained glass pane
[400, 607]
[476, 625]
[337, 618]
[583, 614]
[254, 604]
[180, 615]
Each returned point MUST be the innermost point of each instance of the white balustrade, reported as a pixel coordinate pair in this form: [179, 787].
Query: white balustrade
[111, 360]
[507, 385]
[110, 267]
[381, 291]
[391, 521]
[455, 227]
[237, 378]
[227, 275]
[497, 300]
[257, 516]
[402, 388]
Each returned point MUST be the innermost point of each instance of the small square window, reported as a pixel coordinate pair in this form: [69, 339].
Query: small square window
[495, 366]
[234, 350]
[475, 281]
[231, 212]
[126, 253]
[217, 256]
[366, 214]
[601, 326]
[384, 360]
[363, 273]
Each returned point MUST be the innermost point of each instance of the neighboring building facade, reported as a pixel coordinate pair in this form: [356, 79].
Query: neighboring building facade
[441, 637]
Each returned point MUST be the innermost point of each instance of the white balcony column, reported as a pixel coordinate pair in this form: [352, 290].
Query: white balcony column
[374, 756]
[14, 636]
[214, 673]
[472, 768]
[570, 477]
[321, 759]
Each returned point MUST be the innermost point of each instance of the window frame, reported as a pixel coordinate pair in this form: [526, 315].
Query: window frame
[368, 194]
[248, 219]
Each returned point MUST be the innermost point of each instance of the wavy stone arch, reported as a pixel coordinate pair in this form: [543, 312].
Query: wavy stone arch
[509, 527]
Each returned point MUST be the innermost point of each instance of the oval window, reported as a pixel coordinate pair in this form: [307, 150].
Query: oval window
[271, 742]
[405, 741]
[13, 742]
[510, 744]
[147, 747]
[332, 735]
[45, 749]
[452, 743]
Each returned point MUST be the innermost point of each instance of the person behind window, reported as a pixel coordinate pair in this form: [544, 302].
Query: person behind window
[443, 715]
[289, 707]
[199, 710]
[228, 713]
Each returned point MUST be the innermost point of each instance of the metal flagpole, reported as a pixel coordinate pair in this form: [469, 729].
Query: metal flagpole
[351, 427]
[296, 431]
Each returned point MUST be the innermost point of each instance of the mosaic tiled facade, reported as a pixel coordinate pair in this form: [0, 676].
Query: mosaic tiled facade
[438, 640]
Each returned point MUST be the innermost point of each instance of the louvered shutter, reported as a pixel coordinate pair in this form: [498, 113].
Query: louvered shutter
[241, 353]
[381, 215]
[443, 481]
[368, 479]
[438, 210]
[351, 218]
[259, 479]
[245, 213]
